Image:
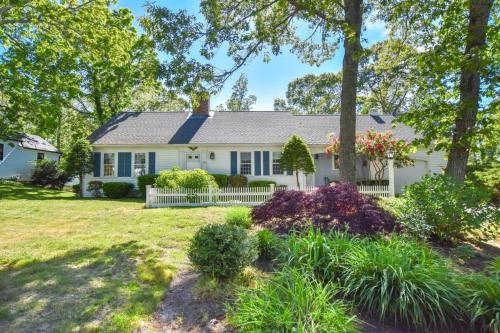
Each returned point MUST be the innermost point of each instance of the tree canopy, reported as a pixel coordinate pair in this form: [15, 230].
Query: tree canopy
[240, 100]
[296, 157]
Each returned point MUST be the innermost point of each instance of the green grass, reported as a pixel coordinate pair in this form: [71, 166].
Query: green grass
[88, 265]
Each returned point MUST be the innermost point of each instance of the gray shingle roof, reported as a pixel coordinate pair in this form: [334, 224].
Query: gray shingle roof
[31, 141]
[252, 127]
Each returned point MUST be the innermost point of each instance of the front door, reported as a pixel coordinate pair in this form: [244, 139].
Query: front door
[193, 161]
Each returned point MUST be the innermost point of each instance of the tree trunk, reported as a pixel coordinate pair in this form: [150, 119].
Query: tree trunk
[297, 177]
[352, 49]
[465, 121]
[82, 190]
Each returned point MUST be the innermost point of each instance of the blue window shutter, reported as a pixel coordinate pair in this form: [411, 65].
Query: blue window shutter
[124, 164]
[257, 163]
[152, 163]
[265, 158]
[234, 162]
[97, 164]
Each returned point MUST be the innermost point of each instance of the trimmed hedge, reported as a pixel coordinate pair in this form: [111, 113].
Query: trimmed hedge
[117, 190]
[238, 181]
[261, 183]
[177, 178]
[143, 181]
[220, 179]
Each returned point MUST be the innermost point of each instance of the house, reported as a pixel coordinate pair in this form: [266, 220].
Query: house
[248, 143]
[19, 153]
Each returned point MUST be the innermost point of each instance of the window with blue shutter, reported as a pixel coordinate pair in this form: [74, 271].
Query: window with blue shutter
[234, 162]
[152, 163]
[257, 163]
[124, 164]
[97, 164]
[265, 158]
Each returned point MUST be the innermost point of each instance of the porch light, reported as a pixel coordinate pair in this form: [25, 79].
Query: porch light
[390, 154]
[212, 155]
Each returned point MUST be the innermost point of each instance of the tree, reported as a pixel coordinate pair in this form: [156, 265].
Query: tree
[250, 28]
[281, 105]
[239, 100]
[296, 156]
[78, 160]
[374, 147]
[314, 94]
[456, 73]
[156, 99]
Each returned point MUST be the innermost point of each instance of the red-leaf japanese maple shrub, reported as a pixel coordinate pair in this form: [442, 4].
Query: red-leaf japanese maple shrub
[339, 207]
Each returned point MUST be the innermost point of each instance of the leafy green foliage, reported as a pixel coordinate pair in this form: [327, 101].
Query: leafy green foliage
[222, 251]
[239, 216]
[441, 208]
[177, 178]
[296, 156]
[487, 177]
[221, 179]
[117, 190]
[268, 244]
[78, 159]
[238, 181]
[291, 302]
[483, 295]
[47, 173]
[144, 180]
[261, 183]
[95, 187]
[239, 101]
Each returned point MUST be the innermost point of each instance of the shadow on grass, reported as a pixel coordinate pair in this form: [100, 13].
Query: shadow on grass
[89, 289]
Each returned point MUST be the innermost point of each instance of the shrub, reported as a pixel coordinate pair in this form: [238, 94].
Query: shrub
[290, 302]
[268, 244]
[221, 250]
[486, 176]
[117, 190]
[177, 178]
[143, 181]
[239, 216]
[261, 183]
[339, 207]
[95, 188]
[443, 209]
[238, 181]
[220, 179]
[483, 296]
[401, 281]
[76, 188]
[47, 173]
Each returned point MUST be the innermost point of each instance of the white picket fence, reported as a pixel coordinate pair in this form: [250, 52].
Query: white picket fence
[230, 196]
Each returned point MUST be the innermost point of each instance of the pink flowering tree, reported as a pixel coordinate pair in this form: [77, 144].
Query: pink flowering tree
[374, 146]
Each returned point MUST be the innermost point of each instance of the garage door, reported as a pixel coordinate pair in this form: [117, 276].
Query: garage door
[409, 175]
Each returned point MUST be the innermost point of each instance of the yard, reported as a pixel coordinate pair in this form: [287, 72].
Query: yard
[70, 264]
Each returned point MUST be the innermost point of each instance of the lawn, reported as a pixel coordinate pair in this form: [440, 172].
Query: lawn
[86, 265]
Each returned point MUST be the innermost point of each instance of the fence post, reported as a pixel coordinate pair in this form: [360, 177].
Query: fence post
[272, 187]
[210, 196]
[148, 198]
[391, 177]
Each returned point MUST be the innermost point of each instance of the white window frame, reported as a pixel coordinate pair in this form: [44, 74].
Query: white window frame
[335, 157]
[134, 168]
[104, 164]
[251, 163]
[272, 163]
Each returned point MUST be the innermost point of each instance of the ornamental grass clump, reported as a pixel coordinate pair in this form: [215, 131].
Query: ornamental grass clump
[339, 207]
[402, 282]
[239, 216]
[291, 302]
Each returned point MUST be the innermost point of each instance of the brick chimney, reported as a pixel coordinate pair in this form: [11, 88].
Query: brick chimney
[203, 107]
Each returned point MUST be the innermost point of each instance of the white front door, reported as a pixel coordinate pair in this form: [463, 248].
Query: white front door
[193, 161]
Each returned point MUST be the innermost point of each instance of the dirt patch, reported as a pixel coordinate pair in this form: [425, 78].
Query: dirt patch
[184, 311]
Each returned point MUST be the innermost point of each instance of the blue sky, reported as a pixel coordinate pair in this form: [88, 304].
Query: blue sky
[265, 80]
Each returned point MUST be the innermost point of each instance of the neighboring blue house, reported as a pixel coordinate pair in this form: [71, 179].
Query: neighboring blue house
[248, 143]
[19, 153]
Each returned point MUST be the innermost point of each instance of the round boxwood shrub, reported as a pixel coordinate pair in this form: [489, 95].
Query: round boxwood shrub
[117, 190]
[143, 181]
[239, 216]
[177, 178]
[95, 187]
[220, 179]
[238, 181]
[222, 251]
[261, 183]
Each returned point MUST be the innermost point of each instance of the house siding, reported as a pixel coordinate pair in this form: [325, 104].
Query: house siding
[19, 162]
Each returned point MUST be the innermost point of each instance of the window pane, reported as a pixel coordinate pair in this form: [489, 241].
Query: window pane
[276, 163]
[246, 163]
[139, 164]
[336, 162]
[109, 164]
[40, 156]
